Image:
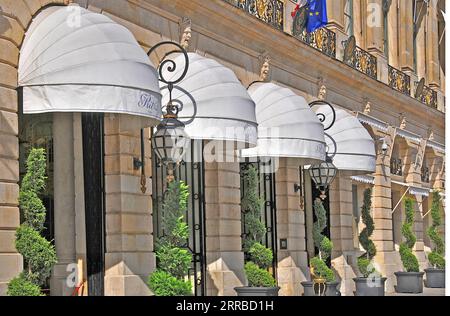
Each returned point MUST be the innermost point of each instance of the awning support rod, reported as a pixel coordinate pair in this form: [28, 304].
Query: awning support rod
[401, 199]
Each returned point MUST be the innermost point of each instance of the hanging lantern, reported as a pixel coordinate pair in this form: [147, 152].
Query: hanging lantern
[323, 175]
[170, 141]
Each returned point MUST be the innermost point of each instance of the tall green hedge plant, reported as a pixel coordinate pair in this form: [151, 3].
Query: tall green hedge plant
[436, 257]
[38, 253]
[409, 260]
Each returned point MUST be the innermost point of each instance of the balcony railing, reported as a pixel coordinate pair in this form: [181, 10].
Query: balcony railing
[396, 167]
[428, 97]
[269, 11]
[365, 62]
[323, 40]
[399, 81]
[425, 175]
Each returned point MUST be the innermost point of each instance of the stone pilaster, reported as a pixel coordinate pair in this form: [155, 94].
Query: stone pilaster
[432, 46]
[335, 10]
[375, 34]
[293, 261]
[406, 36]
[393, 34]
[64, 201]
[129, 257]
[341, 224]
[224, 256]
[387, 259]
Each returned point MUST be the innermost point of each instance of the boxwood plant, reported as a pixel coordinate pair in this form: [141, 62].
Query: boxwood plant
[409, 260]
[260, 258]
[173, 259]
[436, 257]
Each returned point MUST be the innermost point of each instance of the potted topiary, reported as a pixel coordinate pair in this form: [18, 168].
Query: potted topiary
[371, 283]
[38, 253]
[411, 280]
[260, 258]
[318, 265]
[435, 276]
[173, 259]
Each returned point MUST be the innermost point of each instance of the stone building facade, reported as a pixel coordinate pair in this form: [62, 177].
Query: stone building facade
[377, 84]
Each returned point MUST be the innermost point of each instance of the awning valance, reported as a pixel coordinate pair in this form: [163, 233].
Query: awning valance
[413, 190]
[287, 127]
[212, 94]
[350, 144]
[364, 179]
[74, 60]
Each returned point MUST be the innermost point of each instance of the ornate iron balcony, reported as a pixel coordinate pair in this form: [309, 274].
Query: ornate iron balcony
[323, 40]
[399, 81]
[363, 61]
[396, 167]
[268, 11]
[428, 97]
[425, 174]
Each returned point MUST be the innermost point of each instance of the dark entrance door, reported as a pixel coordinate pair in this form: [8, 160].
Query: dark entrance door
[92, 125]
[326, 203]
[192, 172]
[269, 218]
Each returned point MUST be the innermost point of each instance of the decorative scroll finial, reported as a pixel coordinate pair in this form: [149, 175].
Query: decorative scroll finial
[265, 68]
[402, 122]
[368, 108]
[430, 134]
[187, 33]
[322, 95]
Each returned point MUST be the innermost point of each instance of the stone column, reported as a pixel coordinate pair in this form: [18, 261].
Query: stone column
[387, 259]
[375, 34]
[421, 58]
[129, 259]
[335, 10]
[406, 36]
[224, 255]
[11, 34]
[64, 201]
[432, 46]
[341, 226]
[293, 261]
[393, 32]
[359, 23]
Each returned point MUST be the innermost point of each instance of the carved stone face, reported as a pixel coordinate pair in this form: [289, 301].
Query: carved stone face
[322, 92]
[187, 35]
[265, 70]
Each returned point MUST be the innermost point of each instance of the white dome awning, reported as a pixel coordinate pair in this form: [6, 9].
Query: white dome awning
[349, 143]
[287, 127]
[74, 60]
[214, 97]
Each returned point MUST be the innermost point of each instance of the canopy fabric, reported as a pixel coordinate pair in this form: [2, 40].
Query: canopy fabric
[349, 143]
[364, 179]
[74, 60]
[287, 127]
[413, 190]
[215, 104]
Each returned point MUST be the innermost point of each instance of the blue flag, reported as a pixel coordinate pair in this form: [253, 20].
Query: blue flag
[317, 15]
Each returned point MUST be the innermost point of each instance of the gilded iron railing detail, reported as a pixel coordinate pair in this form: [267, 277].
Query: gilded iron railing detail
[399, 81]
[269, 11]
[428, 97]
[396, 167]
[323, 40]
[365, 62]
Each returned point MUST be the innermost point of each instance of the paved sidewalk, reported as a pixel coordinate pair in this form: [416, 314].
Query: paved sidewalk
[426, 292]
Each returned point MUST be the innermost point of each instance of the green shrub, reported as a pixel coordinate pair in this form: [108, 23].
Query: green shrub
[409, 260]
[261, 256]
[162, 283]
[321, 269]
[173, 257]
[318, 264]
[174, 260]
[436, 257]
[365, 265]
[38, 253]
[258, 277]
[20, 286]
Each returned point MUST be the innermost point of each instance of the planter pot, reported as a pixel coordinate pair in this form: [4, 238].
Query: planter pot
[409, 282]
[435, 278]
[331, 289]
[257, 291]
[370, 287]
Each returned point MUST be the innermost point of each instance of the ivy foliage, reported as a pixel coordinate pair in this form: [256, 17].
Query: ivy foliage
[173, 257]
[437, 256]
[39, 254]
[409, 260]
[365, 262]
[323, 243]
[261, 257]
